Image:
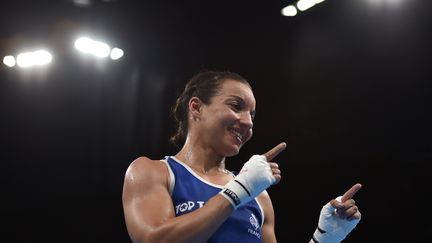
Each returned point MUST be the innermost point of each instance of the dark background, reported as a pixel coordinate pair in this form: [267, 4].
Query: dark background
[347, 84]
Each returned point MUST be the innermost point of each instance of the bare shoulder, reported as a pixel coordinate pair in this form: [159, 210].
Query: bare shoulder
[144, 171]
[145, 187]
[144, 164]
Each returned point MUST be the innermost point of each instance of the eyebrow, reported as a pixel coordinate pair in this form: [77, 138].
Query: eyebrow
[236, 97]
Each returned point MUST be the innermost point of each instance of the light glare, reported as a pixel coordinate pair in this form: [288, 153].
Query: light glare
[116, 53]
[9, 61]
[84, 44]
[289, 11]
[100, 49]
[29, 59]
[42, 57]
[96, 48]
[303, 5]
[25, 59]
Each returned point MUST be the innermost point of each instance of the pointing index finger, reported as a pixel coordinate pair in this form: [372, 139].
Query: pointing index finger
[350, 193]
[272, 153]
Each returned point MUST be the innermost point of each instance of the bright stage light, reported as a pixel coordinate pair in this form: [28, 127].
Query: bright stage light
[96, 48]
[84, 44]
[42, 57]
[25, 59]
[116, 53]
[36, 58]
[289, 11]
[303, 5]
[9, 61]
[100, 49]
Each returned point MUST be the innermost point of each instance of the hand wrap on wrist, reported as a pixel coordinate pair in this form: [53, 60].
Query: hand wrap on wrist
[331, 228]
[255, 176]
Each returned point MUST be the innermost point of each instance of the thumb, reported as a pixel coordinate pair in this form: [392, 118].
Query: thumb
[329, 208]
[272, 153]
[336, 203]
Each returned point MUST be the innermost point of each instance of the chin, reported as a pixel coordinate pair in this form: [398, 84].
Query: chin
[230, 147]
[232, 151]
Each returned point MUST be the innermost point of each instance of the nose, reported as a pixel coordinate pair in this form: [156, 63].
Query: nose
[246, 120]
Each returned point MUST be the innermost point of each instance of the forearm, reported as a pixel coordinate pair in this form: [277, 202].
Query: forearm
[197, 226]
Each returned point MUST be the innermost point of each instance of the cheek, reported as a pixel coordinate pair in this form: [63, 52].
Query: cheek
[228, 118]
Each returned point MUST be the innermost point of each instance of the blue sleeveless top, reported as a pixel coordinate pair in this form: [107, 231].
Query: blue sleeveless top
[189, 192]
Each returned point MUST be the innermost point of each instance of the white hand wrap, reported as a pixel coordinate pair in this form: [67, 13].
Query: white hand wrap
[255, 176]
[331, 228]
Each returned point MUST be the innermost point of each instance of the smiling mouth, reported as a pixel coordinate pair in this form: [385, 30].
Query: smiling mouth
[237, 135]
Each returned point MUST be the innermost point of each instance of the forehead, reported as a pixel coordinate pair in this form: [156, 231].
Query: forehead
[233, 88]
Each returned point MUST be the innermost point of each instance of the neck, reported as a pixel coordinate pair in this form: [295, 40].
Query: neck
[201, 158]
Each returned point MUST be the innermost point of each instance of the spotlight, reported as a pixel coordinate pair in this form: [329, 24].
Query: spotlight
[36, 58]
[303, 5]
[42, 57]
[116, 53]
[84, 44]
[9, 61]
[289, 11]
[100, 49]
[96, 48]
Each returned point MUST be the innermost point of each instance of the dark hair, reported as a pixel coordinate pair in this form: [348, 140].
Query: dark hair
[203, 85]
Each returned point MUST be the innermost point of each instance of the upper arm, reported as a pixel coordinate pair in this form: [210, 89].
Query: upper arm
[145, 189]
[268, 232]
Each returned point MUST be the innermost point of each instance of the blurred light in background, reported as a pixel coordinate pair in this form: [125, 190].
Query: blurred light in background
[116, 53]
[302, 5]
[83, 44]
[100, 49]
[30, 59]
[289, 11]
[82, 3]
[43, 57]
[97, 48]
[9, 61]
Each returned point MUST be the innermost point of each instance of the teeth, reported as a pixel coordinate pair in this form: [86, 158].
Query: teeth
[238, 135]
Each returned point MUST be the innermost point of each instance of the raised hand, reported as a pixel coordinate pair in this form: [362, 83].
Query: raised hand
[338, 218]
[256, 175]
[345, 206]
[272, 153]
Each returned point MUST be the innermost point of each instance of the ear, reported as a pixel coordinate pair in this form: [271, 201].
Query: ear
[195, 105]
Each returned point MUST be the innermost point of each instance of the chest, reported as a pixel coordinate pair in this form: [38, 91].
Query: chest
[191, 191]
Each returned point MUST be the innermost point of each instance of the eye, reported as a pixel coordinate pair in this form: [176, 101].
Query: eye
[236, 106]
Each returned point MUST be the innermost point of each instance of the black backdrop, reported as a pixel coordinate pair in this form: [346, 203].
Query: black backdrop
[346, 84]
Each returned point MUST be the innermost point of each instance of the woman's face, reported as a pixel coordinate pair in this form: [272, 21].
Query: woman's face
[226, 123]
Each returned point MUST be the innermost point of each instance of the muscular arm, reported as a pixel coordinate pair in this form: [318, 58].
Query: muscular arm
[149, 212]
[268, 233]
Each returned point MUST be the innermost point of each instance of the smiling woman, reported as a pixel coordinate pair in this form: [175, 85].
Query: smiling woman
[191, 197]
[203, 89]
